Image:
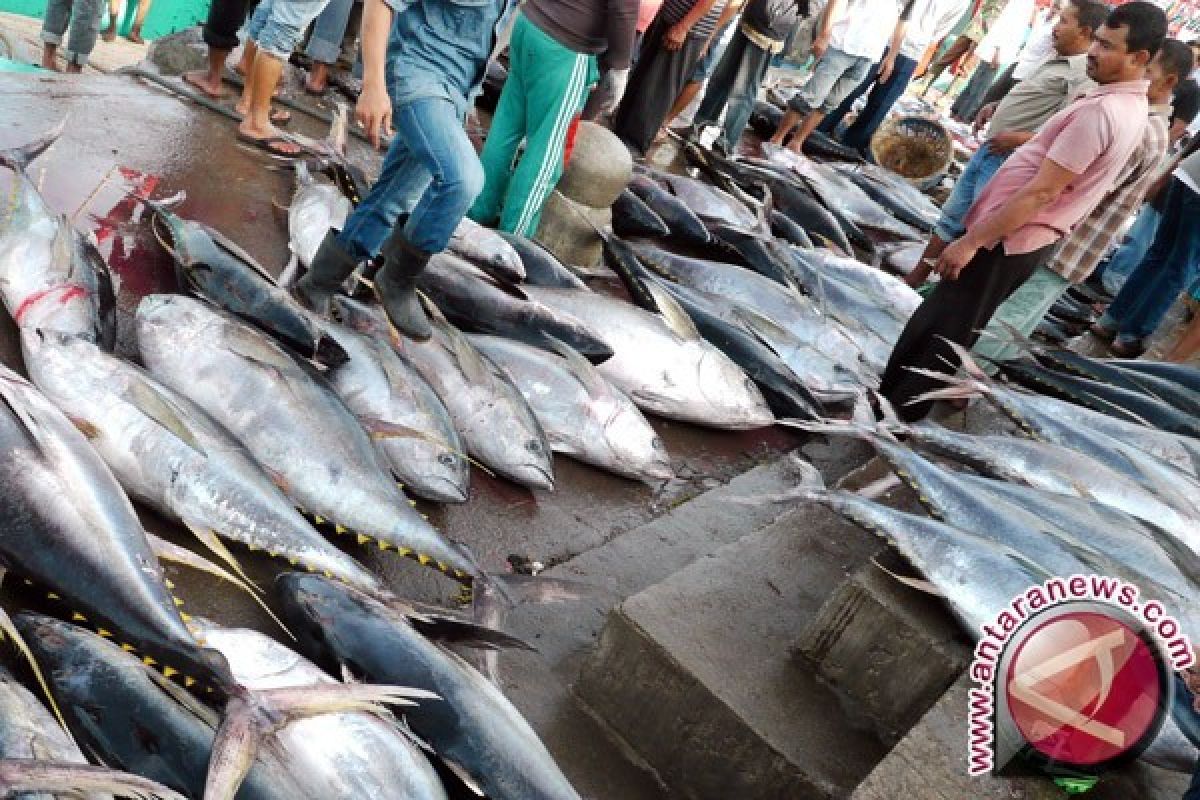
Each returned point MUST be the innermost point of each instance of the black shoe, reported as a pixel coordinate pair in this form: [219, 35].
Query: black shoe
[326, 274]
[396, 286]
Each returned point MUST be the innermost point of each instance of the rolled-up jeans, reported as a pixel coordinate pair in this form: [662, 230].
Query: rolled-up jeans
[277, 25]
[325, 43]
[430, 169]
[83, 16]
[1124, 260]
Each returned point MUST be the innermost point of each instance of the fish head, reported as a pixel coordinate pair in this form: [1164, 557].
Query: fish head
[447, 481]
[359, 316]
[636, 446]
[66, 652]
[314, 608]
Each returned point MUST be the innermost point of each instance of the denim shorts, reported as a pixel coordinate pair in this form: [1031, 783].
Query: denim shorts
[277, 25]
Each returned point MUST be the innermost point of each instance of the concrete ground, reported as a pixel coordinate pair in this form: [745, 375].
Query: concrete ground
[658, 549]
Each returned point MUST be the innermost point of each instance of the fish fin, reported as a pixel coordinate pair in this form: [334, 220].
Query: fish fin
[163, 412]
[34, 429]
[75, 780]
[18, 158]
[464, 633]
[920, 584]
[339, 128]
[234, 249]
[381, 429]
[583, 370]
[288, 276]
[470, 360]
[760, 327]
[676, 318]
[185, 698]
[210, 540]
[277, 478]
[168, 551]
[274, 360]
[461, 773]
[9, 629]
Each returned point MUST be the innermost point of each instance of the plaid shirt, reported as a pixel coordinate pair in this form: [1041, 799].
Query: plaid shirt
[1083, 248]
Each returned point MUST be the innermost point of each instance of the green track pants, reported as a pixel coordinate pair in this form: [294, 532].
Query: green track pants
[546, 89]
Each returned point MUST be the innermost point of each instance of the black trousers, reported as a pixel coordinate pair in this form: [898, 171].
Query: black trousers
[225, 18]
[955, 310]
[654, 83]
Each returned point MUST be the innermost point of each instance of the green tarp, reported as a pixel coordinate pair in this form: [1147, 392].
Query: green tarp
[166, 16]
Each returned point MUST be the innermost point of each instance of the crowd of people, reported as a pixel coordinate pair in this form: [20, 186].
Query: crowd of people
[77, 24]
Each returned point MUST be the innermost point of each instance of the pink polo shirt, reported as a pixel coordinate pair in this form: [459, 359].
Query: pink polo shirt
[1093, 137]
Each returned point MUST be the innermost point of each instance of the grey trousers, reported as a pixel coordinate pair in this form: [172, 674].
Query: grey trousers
[83, 16]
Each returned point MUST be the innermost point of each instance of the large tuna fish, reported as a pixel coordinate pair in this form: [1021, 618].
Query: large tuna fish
[495, 422]
[487, 249]
[473, 728]
[584, 416]
[293, 423]
[316, 207]
[673, 373]
[50, 274]
[416, 435]
[172, 456]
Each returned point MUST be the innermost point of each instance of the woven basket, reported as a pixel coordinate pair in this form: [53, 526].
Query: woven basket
[918, 149]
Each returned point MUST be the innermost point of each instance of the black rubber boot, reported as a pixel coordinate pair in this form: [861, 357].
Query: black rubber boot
[396, 284]
[325, 276]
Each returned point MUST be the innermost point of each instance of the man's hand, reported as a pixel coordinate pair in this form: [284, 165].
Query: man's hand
[608, 93]
[820, 45]
[374, 112]
[886, 68]
[955, 258]
[985, 115]
[675, 36]
[1007, 142]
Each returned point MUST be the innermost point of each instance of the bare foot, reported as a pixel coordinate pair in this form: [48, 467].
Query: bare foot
[50, 63]
[313, 86]
[74, 69]
[205, 82]
[109, 34]
[278, 115]
[135, 36]
[269, 139]
[796, 146]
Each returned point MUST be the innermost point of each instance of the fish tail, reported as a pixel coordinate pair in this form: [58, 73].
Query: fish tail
[17, 158]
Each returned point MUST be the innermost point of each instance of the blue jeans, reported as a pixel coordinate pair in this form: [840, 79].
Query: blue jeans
[431, 169]
[833, 78]
[84, 18]
[879, 102]
[734, 88]
[716, 45]
[1169, 268]
[325, 42]
[1121, 264]
[277, 25]
[976, 174]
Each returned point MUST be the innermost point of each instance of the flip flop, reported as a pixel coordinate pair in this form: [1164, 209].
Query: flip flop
[280, 118]
[270, 145]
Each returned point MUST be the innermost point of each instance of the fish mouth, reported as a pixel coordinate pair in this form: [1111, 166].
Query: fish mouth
[443, 490]
[536, 476]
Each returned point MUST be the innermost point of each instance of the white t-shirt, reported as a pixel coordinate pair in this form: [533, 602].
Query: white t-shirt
[1007, 35]
[1038, 50]
[865, 28]
[929, 22]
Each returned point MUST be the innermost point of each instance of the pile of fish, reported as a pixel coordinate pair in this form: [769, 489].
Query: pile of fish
[256, 425]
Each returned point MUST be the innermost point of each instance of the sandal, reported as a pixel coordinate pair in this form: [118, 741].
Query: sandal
[271, 145]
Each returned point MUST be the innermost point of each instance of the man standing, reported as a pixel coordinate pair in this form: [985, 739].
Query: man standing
[83, 17]
[928, 22]
[225, 18]
[1013, 121]
[423, 62]
[763, 30]
[1082, 250]
[1170, 267]
[852, 36]
[676, 41]
[552, 64]
[1054, 180]
[998, 49]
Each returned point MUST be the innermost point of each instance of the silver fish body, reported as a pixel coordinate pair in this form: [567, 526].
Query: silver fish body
[583, 415]
[487, 249]
[291, 421]
[489, 413]
[345, 756]
[169, 454]
[316, 207]
[410, 424]
[680, 378]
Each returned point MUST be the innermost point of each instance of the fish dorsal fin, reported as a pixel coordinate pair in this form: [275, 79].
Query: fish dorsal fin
[763, 329]
[39, 437]
[234, 249]
[382, 429]
[461, 773]
[1032, 568]
[580, 368]
[19, 157]
[674, 315]
[470, 360]
[162, 411]
[247, 345]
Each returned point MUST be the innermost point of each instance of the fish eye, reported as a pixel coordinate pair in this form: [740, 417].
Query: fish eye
[656, 443]
[533, 446]
[447, 460]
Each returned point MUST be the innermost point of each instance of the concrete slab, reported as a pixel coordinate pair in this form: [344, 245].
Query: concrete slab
[930, 763]
[697, 675]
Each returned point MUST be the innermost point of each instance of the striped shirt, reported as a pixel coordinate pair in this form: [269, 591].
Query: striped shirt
[1083, 248]
[675, 10]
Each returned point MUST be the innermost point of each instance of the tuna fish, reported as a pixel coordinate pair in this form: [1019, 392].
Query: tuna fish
[169, 454]
[584, 416]
[542, 268]
[316, 207]
[415, 433]
[488, 249]
[349, 756]
[51, 276]
[495, 422]
[684, 225]
[632, 217]
[670, 372]
[293, 423]
[473, 301]
[474, 729]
